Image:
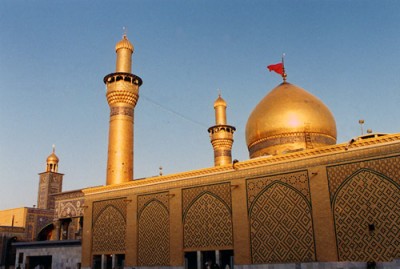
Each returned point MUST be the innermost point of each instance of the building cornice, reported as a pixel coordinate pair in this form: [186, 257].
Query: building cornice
[324, 155]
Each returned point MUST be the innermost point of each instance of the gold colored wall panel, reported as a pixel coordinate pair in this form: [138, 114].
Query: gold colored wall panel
[153, 226]
[281, 226]
[365, 198]
[207, 218]
[109, 227]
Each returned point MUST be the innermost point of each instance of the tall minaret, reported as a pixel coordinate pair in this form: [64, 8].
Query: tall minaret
[50, 182]
[221, 134]
[122, 95]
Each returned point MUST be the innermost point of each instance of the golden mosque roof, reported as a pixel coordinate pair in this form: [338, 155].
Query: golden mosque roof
[287, 119]
[335, 152]
[124, 43]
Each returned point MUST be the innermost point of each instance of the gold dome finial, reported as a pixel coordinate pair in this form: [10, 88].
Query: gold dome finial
[124, 42]
[284, 75]
[220, 102]
[125, 31]
[279, 68]
[124, 50]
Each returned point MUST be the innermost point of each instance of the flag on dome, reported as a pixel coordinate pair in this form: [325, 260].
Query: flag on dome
[278, 68]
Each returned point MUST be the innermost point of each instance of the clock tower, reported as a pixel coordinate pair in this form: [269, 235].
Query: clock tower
[50, 182]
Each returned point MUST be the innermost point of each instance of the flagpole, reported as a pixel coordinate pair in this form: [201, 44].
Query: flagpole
[283, 68]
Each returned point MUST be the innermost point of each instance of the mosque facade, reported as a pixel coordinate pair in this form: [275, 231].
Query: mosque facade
[300, 201]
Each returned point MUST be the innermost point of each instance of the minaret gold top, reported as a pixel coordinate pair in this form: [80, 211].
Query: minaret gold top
[122, 96]
[221, 134]
[124, 50]
[220, 111]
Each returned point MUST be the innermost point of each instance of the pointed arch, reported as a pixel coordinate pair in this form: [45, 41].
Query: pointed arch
[149, 202]
[366, 211]
[154, 234]
[200, 195]
[207, 223]
[109, 230]
[45, 233]
[281, 227]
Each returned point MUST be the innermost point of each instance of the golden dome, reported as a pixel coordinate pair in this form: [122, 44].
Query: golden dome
[52, 158]
[124, 44]
[52, 162]
[219, 102]
[289, 119]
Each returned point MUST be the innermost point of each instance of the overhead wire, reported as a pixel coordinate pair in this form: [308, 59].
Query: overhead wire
[173, 111]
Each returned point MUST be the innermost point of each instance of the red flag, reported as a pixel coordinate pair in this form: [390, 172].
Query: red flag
[278, 68]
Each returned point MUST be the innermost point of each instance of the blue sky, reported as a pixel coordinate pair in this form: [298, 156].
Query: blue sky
[54, 55]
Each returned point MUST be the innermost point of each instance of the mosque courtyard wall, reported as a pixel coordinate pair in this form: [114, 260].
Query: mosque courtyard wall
[302, 210]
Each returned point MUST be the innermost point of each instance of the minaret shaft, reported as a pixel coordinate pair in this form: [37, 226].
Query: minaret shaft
[122, 96]
[120, 147]
[220, 115]
[124, 61]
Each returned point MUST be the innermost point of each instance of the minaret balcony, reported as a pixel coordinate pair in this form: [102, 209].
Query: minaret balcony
[128, 77]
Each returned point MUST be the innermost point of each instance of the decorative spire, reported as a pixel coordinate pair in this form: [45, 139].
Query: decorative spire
[279, 68]
[284, 75]
[161, 172]
[124, 35]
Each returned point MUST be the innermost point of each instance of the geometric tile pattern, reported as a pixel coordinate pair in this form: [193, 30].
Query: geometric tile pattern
[223, 191]
[367, 198]
[337, 174]
[109, 226]
[37, 219]
[143, 200]
[153, 227]
[207, 217]
[281, 228]
[298, 180]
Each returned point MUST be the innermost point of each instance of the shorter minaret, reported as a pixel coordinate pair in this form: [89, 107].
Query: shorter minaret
[221, 134]
[50, 182]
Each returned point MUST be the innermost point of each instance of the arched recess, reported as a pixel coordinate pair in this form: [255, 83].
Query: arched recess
[109, 231]
[366, 210]
[207, 223]
[153, 240]
[281, 228]
[45, 233]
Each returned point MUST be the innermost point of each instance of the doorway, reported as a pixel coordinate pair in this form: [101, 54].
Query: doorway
[38, 262]
[210, 259]
[108, 261]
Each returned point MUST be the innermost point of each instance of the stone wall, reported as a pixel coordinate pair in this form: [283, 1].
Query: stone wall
[64, 256]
